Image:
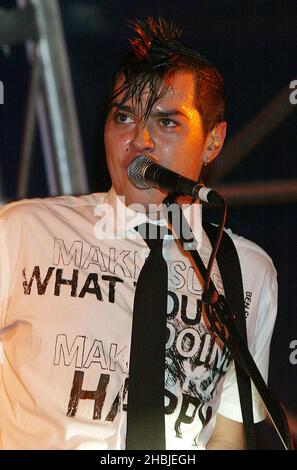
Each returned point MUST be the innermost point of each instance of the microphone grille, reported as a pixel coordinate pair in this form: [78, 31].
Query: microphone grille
[136, 170]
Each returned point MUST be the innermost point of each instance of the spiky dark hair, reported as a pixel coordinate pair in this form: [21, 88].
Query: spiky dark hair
[157, 53]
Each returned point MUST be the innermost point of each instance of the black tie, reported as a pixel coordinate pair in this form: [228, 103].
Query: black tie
[145, 412]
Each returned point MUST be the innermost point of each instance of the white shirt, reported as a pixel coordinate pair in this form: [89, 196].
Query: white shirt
[66, 303]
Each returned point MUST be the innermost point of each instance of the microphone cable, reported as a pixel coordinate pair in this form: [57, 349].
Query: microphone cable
[210, 296]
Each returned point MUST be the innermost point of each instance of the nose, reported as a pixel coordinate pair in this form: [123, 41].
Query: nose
[142, 140]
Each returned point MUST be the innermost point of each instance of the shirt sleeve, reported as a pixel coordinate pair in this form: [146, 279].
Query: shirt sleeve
[10, 236]
[3, 271]
[260, 325]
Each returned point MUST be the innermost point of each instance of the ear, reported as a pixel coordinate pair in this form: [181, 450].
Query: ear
[214, 142]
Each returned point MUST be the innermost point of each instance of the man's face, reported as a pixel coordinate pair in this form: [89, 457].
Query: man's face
[173, 133]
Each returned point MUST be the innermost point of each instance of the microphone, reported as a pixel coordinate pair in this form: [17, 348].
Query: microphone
[144, 172]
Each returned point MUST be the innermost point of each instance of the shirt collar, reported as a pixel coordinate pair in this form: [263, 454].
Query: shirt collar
[116, 220]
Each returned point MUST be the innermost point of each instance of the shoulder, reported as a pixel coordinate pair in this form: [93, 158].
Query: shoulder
[254, 260]
[25, 207]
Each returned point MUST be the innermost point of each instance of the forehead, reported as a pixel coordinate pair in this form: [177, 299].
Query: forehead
[179, 94]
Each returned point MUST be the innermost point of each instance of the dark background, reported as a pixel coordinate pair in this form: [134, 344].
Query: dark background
[253, 43]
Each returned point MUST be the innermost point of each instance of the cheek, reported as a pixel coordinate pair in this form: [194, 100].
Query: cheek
[109, 135]
[110, 148]
[106, 136]
[189, 155]
[195, 145]
[115, 140]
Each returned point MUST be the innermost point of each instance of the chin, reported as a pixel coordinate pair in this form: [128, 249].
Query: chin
[144, 197]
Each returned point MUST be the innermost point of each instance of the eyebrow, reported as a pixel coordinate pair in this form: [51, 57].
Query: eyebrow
[122, 107]
[169, 113]
[158, 114]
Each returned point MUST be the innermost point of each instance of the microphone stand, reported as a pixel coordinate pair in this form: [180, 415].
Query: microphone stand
[222, 322]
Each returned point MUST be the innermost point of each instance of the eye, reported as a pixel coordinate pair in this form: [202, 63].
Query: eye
[168, 123]
[123, 118]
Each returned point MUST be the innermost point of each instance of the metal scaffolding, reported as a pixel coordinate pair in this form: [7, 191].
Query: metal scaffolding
[240, 146]
[51, 105]
[50, 97]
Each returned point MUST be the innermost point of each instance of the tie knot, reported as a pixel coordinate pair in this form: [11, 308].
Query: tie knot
[152, 234]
